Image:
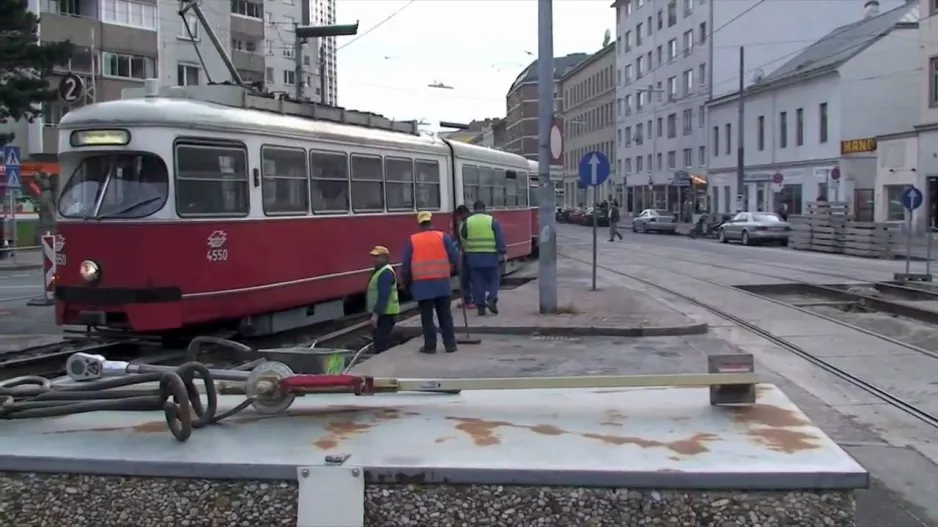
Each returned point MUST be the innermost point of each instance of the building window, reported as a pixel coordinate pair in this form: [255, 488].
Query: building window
[687, 119]
[799, 127]
[672, 159]
[688, 81]
[688, 157]
[702, 74]
[639, 66]
[760, 131]
[190, 29]
[822, 122]
[269, 74]
[688, 8]
[660, 127]
[672, 49]
[126, 13]
[657, 160]
[638, 35]
[688, 42]
[187, 75]
[702, 33]
[702, 116]
[716, 141]
[672, 88]
[783, 130]
[247, 8]
[672, 126]
[729, 138]
[895, 211]
[702, 155]
[288, 52]
[933, 81]
[289, 77]
[672, 13]
[127, 66]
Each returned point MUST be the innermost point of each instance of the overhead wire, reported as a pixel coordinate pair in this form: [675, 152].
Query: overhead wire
[376, 26]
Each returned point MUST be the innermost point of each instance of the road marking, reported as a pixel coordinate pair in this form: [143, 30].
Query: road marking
[20, 287]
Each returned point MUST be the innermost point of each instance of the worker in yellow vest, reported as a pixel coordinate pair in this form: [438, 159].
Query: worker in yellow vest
[381, 300]
[484, 245]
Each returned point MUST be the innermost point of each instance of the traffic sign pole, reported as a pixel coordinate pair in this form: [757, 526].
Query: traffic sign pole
[594, 170]
[12, 161]
[912, 199]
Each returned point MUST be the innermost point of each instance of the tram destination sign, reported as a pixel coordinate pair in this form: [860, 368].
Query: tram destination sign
[858, 146]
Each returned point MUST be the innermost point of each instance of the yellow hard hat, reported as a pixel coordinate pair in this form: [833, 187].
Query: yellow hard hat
[424, 216]
[379, 250]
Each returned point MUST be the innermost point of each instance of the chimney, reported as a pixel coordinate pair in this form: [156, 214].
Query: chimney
[871, 8]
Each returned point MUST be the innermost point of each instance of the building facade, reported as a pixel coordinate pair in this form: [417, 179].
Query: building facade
[911, 158]
[672, 56]
[588, 93]
[818, 116]
[121, 43]
[521, 111]
[322, 13]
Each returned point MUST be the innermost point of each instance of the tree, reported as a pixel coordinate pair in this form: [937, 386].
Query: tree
[25, 64]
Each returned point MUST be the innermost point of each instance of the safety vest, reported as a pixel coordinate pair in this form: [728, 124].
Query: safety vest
[430, 260]
[393, 306]
[480, 234]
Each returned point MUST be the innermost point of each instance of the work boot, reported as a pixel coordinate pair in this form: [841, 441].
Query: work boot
[481, 310]
[428, 351]
[452, 349]
[493, 307]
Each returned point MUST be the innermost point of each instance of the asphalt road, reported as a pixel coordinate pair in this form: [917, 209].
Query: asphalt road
[18, 285]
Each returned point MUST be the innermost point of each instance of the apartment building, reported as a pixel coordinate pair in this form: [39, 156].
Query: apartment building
[588, 93]
[120, 43]
[819, 114]
[521, 105]
[322, 13]
[674, 55]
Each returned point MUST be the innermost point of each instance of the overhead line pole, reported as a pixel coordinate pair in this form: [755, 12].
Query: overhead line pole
[547, 260]
[740, 136]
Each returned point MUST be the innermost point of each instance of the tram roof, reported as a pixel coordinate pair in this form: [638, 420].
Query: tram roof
[481, 154]
[199, 115]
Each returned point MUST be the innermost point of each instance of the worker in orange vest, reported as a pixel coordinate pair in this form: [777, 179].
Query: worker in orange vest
[429, 258]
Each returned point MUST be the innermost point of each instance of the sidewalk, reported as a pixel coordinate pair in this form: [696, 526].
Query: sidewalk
[611, 310]
[22, 260]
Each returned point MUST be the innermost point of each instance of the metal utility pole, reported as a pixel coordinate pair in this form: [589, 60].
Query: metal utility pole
[547, 261]
[740, 136]
[301, 33]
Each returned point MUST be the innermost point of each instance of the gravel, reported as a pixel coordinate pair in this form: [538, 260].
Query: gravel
[52, 500]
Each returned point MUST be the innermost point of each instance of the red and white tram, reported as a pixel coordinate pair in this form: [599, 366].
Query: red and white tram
[179, 213]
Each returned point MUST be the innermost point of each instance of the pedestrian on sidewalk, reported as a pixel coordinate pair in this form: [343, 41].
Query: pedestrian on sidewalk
[485, 249]
[429, 256]
[381, 300]
[465, 277]
[614, 219]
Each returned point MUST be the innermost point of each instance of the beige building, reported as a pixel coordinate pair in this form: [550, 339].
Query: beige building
[588, 111]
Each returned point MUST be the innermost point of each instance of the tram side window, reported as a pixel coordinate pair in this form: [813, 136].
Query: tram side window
[428, 184]
[486, 191]
[367, 184]
[285, 185]
[511, 189]
[470, 183]
[328, 182]
[211, 180]
[399, 176]
[522, 183]
[499, 191]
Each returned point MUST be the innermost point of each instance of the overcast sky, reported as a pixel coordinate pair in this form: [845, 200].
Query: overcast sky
[476, 46]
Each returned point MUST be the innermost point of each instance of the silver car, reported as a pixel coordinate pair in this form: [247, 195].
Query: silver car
[654, 220]
[756, 227]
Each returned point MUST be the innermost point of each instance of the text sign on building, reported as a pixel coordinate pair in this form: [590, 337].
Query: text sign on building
[858, 146]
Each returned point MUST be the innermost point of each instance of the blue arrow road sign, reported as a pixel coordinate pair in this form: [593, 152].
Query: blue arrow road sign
[594, 169]
[912, 198]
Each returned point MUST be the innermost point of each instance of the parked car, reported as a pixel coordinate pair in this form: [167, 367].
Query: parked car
[577, 216]
[755, 227]
[654, 220]
[563, 214]
[598, 214]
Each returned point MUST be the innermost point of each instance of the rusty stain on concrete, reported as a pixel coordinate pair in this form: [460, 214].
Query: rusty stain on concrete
[695, 444]
[769, 415]
[782, 440]
[364, 420]
[444, 439]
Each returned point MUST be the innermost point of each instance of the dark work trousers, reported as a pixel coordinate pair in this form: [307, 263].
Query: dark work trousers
[381, 334]
[465, 281]
[440, 305]
[485, 284]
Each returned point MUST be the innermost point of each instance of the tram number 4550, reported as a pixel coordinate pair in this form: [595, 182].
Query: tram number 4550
[217, 255]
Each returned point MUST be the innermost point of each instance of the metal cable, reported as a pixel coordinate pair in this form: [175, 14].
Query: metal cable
[177, 396]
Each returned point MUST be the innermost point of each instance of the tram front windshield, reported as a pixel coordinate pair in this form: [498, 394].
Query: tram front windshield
[115, 186]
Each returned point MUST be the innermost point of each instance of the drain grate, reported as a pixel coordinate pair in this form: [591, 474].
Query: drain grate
[556, 337]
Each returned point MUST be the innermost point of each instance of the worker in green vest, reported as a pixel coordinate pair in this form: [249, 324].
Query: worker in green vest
[484, 245]
[381, 300]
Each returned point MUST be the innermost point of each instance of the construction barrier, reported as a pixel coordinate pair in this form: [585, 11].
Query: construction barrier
[49, 266]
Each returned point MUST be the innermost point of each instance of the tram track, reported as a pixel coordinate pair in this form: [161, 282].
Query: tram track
[841, 373]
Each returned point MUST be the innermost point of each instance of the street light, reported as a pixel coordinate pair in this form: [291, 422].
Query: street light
[301, 33]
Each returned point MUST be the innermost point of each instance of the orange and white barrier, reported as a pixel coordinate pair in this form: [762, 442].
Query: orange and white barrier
[49, 266]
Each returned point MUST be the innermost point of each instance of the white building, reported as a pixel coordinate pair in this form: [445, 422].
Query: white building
[820, 111]
[588, 93]
[911, 157]
[672, 56]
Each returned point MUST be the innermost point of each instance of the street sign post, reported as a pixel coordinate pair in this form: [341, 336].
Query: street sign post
[835, 177]
[912, 199]
[594, 170]
[12, 157]
[556, 143]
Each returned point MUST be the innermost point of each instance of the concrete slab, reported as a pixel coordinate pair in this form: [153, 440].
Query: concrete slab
[661, 438]
[612, 310]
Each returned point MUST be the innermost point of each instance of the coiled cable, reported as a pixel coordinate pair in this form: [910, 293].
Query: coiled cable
[177, 396]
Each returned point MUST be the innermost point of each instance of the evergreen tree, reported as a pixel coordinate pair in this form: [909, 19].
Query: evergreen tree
[25, 63]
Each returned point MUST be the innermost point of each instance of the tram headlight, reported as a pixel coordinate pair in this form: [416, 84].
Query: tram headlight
[90, 271]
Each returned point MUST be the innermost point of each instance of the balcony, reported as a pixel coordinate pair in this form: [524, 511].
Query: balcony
[248, 60]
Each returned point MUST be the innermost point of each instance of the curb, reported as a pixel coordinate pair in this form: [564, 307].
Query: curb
[20, 267]
[699, 328]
